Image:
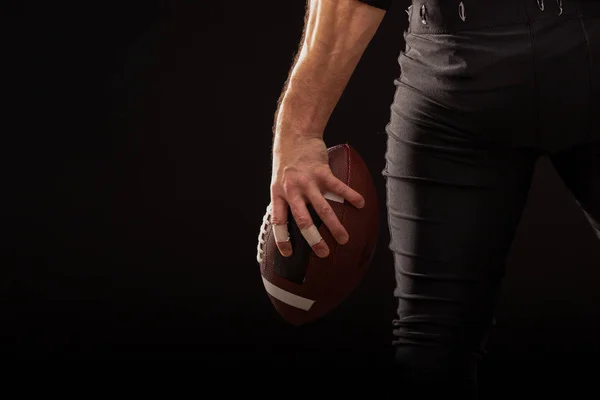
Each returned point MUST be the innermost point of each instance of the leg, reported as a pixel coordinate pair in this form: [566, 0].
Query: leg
[453, 207]
[579, 168]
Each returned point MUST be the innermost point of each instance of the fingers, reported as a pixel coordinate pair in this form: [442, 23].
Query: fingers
[279, 219]
[326, 213]
[297, 193]
[340, 188]
[307, 227]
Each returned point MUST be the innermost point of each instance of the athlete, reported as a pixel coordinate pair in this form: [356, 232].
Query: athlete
[486, 88]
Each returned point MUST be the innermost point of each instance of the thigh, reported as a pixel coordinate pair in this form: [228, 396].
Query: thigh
[453, 207]
[579, 168]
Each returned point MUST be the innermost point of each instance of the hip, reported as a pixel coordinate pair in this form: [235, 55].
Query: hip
[529, 67]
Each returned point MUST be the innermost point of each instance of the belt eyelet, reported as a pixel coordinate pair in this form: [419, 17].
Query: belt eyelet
[541, 5]
[423, 14]
[461, 11]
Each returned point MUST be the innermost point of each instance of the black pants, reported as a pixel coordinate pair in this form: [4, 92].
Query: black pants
[486, 88]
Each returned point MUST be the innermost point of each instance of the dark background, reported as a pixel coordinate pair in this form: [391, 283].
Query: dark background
[135, 174]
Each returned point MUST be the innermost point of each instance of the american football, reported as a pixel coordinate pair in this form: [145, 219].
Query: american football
[304, 287]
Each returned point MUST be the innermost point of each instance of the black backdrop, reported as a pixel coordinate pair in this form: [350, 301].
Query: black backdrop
[136, 166]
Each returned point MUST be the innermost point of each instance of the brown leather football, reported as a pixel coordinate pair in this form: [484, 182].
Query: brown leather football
[304, 287]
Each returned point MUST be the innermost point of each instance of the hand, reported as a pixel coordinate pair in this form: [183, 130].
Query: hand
[300, 175]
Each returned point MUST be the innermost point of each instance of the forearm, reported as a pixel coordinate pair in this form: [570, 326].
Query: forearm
[336, 35]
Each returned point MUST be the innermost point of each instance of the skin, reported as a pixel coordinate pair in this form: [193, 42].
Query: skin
[336, 34]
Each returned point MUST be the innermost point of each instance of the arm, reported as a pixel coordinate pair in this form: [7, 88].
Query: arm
[336, 34]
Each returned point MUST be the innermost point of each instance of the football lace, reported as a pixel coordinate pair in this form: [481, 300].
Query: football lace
[266, 222]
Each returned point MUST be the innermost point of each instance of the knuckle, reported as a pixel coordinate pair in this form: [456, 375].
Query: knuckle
[323, 171]
[277, 220]
[302, 221]
[325, 210]
[302, 181]
[289, 169]
[289, 184]
[340, 187]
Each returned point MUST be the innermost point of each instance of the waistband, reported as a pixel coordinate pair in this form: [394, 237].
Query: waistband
[448, 16]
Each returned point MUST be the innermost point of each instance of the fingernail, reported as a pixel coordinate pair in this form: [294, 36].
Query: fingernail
[286, 253]
[323, 253]
[343, 239]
